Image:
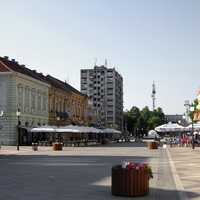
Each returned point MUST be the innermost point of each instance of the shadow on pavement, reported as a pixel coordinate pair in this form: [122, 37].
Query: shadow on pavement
[58, 177]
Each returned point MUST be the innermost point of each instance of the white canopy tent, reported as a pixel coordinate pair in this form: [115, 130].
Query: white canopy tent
[66, 130]
[44, 129]
[110, 130]
[72, 129]
[170, 127]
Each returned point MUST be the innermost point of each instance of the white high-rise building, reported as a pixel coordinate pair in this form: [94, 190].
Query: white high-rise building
[104, 87]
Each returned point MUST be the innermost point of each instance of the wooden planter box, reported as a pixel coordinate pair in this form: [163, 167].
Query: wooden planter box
[129, 182]
[35, 146]
[57, 146]
[152, 145]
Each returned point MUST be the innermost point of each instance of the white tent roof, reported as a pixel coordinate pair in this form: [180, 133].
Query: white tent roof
[170, 127]
[72, 129]
[66, 130]
[44, 129]
[110, 130]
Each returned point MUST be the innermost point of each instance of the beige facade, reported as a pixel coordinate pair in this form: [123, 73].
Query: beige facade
[32, 100]
[66, 104]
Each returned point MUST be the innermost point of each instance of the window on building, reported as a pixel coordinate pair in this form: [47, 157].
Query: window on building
[56, 106]
[27, 99]
[39, 101]
[20, 96]
[44, 103]
[33, 99]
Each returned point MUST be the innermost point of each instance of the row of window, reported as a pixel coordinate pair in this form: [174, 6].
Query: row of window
[72, 107]
[31, 99]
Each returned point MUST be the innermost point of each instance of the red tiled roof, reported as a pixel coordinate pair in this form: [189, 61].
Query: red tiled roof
[3, 68]
[60, 84]
[13, 65]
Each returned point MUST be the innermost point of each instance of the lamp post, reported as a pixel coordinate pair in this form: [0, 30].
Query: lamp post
[18, 113]
[192, 118]
[58, 119]
[191, 109]
[1, 115]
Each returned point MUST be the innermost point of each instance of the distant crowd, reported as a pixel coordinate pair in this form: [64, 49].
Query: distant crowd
[183, 140]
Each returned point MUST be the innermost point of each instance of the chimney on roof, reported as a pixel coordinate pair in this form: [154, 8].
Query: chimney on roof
[13, 60]
[22, 65]
[6, 57]
[34, 71]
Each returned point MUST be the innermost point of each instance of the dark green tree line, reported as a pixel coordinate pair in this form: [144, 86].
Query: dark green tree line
[142, 121]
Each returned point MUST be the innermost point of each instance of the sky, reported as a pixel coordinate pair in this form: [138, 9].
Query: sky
[145, 40]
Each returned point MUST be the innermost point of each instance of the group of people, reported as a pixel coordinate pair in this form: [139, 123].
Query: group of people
[184, 140]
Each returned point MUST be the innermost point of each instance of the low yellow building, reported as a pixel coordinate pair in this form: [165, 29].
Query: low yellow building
[66, 104]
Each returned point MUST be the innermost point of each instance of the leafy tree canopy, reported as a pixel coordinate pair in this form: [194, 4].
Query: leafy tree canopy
[144, 119]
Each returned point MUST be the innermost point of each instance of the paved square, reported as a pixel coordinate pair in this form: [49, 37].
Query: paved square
[78, 173]
[187, 163]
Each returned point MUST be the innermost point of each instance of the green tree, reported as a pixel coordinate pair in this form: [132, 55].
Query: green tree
[153, 122]
[143, 120]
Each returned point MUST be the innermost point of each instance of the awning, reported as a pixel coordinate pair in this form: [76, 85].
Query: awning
[71, 129]
[43, 129]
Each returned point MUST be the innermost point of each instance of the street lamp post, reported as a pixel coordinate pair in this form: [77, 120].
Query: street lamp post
[192, 118]
[58, 119]
[18, 113]
[1, 115]
[191, 109]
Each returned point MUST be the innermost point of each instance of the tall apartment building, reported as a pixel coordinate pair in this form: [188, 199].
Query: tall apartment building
[104, 87]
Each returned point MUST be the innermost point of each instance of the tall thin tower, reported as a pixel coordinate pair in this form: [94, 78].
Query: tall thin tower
[153, 95]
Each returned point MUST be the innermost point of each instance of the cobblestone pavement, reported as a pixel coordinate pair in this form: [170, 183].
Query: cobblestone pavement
[187, 163]
[78, 173]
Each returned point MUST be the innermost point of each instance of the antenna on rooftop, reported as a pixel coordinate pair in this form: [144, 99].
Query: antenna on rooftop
[95, 61]
[67, 79]
[106, 62]
[153, 95]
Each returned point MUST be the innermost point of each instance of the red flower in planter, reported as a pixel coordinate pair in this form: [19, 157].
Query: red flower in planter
[138, 166]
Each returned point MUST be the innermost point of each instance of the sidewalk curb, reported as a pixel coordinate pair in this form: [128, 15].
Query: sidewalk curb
[178, 183]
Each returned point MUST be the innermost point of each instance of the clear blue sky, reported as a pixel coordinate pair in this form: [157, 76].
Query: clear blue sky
[145, 40]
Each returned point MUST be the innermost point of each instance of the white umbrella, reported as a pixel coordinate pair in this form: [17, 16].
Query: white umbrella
[196, 127]
[170, 127]
[153, 134]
